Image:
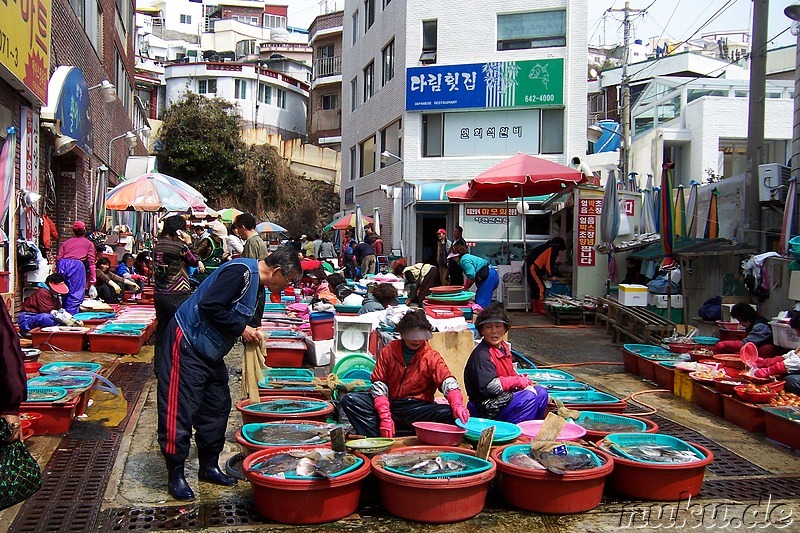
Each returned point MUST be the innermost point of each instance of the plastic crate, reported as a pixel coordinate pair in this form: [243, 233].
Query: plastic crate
[56, 417]
[665, 375]
[625, 440]
[684, 386]
[322, 329]
[285, 353]
[630, 361]
[289, 374]
[647, 368]
[69, 341]
[784, 335]
[68, 366]
[709, 399]
[640, 349]
[745, 415]
[117, 344]
[782, 424]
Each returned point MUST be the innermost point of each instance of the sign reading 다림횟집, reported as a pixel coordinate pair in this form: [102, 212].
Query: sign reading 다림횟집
[507, 84]
[25, 43]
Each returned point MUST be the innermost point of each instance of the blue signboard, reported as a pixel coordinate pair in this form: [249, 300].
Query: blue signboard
[68, 87]
[506, 84]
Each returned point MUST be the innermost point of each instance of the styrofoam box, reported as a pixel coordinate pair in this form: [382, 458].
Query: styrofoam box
[660, 301]
[633, 295]
[783, 335]
[319, 352]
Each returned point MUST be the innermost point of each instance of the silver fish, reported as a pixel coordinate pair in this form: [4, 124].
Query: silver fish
[524, 460]
[276, 464]
[332, 464]
[306, 466]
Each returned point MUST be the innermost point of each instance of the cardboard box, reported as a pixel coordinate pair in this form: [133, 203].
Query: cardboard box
[633, 295]
[318, 353]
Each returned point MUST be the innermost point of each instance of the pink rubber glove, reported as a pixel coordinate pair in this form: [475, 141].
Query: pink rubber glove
[138, 277]
[763, 362]
[456, 401]
[381, 404]
[514, 382]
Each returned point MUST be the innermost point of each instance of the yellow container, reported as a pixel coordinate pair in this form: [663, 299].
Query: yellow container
[684, 386]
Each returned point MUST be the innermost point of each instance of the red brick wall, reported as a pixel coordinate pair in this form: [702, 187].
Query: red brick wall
[278, 11]
[230, 11]
[71, 46]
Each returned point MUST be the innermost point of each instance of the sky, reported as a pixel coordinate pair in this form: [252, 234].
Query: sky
[659, 18]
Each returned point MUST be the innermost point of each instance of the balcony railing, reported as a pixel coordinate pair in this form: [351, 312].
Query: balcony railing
[327, 66]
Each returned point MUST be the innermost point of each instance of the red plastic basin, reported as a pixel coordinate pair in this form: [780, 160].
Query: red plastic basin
[31, 417]
[322, 330]
[655, 482]
[731, 361]
[271, 393]
[682, 347]
[32, 367]
[438, 434]
[249, 417]
[631, 362]
[283, 353]
[541, 491]
[745, 415]
[754, 397]
[437, 501]
[69, 341]
[296, 501]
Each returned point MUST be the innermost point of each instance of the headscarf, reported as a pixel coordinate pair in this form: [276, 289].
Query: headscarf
[219, 231]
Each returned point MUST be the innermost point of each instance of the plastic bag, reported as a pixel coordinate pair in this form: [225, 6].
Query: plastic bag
[20, 476]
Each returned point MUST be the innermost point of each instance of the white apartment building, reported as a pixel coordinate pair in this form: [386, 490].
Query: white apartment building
[267, 99]
[446, 89]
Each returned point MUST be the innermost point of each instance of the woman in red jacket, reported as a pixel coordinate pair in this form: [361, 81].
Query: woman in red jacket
[405, 378]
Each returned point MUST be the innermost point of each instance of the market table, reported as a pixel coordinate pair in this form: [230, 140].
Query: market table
[635, 323]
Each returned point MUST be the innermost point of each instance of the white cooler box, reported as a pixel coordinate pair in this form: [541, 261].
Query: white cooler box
[318, 353]
[783, 335]
[660, 301]
[633, 295]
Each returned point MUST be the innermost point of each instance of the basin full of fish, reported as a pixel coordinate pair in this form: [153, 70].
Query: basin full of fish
[559, 461]
[432, 464]
[290, 434]
[319, 462]
[607, 427]
[652, 453]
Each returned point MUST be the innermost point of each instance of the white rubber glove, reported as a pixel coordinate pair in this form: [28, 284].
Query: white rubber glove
[201, 267]
[131, 283]
[114, 286]
[92, 292]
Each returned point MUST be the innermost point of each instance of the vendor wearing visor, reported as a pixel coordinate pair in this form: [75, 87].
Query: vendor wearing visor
[405, 378]
[495, 389]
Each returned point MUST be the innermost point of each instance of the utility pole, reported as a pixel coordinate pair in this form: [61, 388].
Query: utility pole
[625, 107]
[755, 127]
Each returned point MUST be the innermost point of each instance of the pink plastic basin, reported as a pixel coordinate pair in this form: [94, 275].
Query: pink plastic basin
[531, 428]
[439, 434]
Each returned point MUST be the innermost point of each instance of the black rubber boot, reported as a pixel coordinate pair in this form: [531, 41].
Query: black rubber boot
[178, 487]
[210, 472]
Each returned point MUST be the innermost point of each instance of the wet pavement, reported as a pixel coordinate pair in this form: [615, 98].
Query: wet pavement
[107, 474]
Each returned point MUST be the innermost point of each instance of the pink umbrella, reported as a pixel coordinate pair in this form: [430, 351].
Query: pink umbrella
[525, 175]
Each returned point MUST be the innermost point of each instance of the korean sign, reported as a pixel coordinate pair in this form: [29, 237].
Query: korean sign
[532, 83]
[491, 132]
[489, 223]
[588, 212]
[25, 43]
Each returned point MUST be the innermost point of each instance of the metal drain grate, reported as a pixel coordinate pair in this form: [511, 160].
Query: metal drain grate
[79, 469]
[752, 488]
[726, 462]
[223, 514]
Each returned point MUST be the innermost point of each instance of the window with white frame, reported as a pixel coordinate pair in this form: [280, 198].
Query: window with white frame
[265, 93]
[535, 29]
[240, 89]
[387, 58]
[355, 27]
[186, 19]
[280, 98]
[369, 80]
[208, 86]
[367, 156]
[353, 94]
[274, 21]
[330, 101]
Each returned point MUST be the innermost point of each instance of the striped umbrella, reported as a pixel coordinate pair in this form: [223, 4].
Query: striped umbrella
[7, 158]
[346, 222]
[680, 213]
[667, 214]
[227, 215]
[712, 221]
[787, 228]
[153, 192]
[691, 210]
[269, 227]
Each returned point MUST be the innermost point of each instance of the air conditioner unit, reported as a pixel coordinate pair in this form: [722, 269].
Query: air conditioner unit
[773, 180]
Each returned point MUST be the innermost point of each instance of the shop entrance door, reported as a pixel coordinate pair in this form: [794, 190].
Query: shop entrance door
[430, 225]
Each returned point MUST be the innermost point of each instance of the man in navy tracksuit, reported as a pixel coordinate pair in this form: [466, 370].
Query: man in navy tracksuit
[192, 377]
